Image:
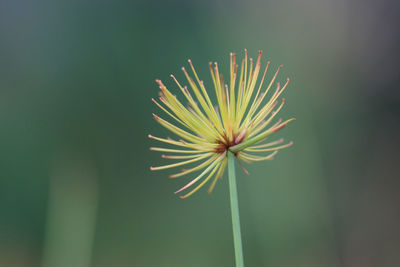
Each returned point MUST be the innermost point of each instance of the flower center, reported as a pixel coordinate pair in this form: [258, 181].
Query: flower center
[226, 143]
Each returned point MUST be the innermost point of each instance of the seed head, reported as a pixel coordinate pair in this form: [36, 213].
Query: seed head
[240, 122]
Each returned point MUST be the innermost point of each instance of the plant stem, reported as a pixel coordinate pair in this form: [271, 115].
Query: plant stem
[237, 238]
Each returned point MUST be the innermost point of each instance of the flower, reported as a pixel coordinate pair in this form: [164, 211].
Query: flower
[239, 122]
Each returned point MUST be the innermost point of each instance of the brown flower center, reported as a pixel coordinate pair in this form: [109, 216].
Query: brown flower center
[226, 143]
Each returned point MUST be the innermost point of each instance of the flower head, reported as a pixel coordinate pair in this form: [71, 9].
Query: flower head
[241, 120]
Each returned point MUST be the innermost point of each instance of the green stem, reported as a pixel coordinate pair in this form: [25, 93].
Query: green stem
[237, 239]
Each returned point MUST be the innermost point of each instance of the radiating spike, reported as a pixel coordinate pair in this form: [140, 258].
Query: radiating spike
[180, 163]
[202, 183]
[252, 149]
[202, 174]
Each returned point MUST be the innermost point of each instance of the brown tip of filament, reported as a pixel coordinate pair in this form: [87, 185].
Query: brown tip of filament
[156, 117]
[278, 128]
[149, 136]
[272, 156]
[240, 137]
[151, 168]
[241, 165]
[154, 101]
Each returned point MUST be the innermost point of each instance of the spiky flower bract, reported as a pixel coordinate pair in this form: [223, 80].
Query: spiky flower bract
[240, 122]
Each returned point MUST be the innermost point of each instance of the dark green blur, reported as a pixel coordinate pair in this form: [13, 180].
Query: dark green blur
[76, 82]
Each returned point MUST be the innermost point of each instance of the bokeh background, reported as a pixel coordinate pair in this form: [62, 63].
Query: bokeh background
[76, 82]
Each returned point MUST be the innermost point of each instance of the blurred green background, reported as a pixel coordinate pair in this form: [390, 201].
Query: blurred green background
[76, 79]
